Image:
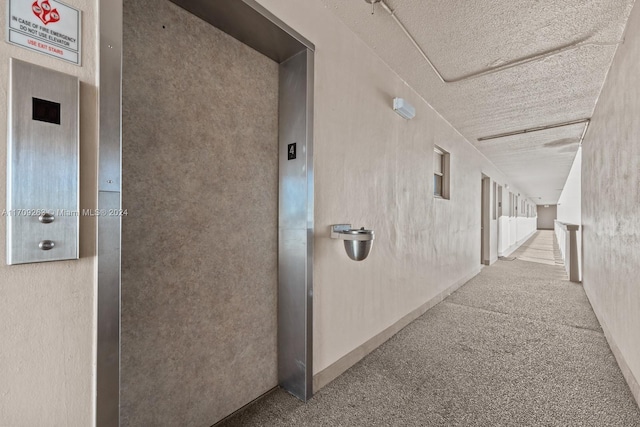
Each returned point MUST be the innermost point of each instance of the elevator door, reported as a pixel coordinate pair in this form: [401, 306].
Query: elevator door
[199, 243]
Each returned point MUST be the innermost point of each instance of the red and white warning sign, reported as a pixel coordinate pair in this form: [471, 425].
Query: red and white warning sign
[46, 26]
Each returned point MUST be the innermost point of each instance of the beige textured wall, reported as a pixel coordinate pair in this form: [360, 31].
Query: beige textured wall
[47, 315]
[199, 246]
[611, 202]
[374, 169]
[546, 216]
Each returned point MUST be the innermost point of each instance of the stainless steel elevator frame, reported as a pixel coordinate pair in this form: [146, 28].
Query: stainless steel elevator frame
[252, 24]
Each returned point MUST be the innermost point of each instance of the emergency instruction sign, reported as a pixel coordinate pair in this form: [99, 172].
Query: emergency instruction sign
[46, 26]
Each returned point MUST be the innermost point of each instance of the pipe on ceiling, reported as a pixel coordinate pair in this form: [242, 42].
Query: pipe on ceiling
[539, 128]
[521, 61]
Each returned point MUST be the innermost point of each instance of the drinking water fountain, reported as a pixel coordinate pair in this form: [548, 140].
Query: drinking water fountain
[357, 242]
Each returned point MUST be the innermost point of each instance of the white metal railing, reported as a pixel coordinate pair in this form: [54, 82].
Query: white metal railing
[568, 241]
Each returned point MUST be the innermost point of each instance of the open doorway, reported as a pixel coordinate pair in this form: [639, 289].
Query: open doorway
[485, 220]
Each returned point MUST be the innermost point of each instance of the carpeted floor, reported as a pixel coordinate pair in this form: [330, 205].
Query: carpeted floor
[518, 345]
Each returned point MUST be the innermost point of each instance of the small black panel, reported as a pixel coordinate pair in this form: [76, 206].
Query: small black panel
[291, 151]
[46, 111]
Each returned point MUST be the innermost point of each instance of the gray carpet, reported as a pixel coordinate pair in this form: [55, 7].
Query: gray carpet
[518, 345]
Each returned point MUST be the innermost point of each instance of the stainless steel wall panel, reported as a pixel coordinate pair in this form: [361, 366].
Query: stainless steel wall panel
[108, 345]
[295, 297]
[293, 35]
[294, 356]
[42, 164]
[110, 95]
[109, 227]
[293, 130]
[309, 99]
[252, 24]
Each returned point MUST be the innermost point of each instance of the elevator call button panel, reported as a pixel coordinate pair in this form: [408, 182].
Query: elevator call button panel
[42, 211]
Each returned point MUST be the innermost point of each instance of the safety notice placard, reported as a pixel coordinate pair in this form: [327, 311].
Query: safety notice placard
[46, 26]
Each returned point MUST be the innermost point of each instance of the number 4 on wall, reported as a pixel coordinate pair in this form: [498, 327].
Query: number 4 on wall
[291, 151]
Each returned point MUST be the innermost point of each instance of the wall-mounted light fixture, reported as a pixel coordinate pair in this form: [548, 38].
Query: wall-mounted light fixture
[403, 108]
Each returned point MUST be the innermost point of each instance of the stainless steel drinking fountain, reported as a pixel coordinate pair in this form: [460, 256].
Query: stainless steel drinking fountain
[357, 242]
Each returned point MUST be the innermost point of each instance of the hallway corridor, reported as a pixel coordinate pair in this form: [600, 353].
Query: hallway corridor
[517, 345]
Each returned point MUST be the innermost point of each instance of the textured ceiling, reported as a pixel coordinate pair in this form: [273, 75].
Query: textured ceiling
[564, 49]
